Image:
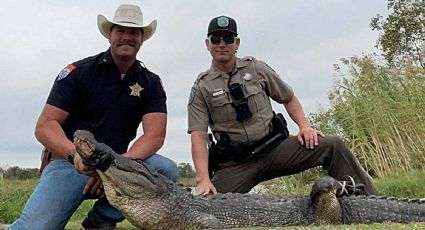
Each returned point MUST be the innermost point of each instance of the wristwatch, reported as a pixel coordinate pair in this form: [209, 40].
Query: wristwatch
[71, 156]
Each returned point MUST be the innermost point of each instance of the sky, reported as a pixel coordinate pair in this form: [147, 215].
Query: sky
[301, 40]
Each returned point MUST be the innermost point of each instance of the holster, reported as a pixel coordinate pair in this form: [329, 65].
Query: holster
[46, 157]
[223, 150]
[280, 125]
[212, 152]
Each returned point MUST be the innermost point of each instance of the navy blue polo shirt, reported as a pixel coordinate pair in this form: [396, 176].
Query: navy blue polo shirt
[99, 100]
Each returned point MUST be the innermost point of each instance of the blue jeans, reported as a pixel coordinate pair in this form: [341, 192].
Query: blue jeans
[59, 193]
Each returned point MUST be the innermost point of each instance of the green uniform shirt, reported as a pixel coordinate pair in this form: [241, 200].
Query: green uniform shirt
[210, 103]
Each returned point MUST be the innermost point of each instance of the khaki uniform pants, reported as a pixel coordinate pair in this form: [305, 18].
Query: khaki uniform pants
[288, 158]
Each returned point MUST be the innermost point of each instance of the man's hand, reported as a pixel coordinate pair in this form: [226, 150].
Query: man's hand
[309, 137]
[82, 168]
[94, 186]
[205, 187]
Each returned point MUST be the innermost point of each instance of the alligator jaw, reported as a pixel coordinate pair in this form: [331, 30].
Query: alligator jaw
[84, 143]
[124, 175]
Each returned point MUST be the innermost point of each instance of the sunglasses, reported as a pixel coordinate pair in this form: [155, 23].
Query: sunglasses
[229, 39]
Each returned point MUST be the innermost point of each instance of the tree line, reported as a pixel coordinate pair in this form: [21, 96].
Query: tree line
[15, 172]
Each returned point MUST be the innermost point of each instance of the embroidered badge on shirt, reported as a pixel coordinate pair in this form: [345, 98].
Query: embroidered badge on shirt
[63, 73]
[135, 90]
[192, 95]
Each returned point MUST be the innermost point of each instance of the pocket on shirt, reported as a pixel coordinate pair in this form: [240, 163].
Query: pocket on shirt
[257, 99]
[221, 108]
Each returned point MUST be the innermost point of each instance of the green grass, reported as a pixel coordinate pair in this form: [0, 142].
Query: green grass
[411, 185]
[14, 193]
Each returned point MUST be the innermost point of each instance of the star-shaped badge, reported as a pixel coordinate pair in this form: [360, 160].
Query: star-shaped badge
[135, 90]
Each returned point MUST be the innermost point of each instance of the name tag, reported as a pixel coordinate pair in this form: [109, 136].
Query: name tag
[218, 93]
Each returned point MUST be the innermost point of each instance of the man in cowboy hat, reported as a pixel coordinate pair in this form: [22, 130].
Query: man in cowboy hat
[109, 94]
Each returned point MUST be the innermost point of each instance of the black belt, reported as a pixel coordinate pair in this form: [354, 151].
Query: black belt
[268, 141]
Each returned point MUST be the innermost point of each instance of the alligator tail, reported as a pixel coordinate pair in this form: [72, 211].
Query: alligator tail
[374, 209]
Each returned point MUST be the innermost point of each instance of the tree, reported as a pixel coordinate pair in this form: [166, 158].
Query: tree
[402, 33]
[16, 172]
[186, 170]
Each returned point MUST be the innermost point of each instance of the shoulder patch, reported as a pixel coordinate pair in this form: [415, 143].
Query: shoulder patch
[65, 72]
[192, 95]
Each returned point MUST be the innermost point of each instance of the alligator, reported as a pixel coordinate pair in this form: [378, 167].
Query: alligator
[149, 200]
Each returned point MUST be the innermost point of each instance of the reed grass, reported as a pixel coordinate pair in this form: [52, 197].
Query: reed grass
[380, 113]
[1, 181]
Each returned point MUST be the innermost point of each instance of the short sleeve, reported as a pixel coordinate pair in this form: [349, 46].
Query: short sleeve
[158, 99]
[197, 108]
[276, 88]
[63, 92]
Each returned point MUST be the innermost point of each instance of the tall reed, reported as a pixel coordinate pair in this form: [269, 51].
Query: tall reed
[1, 181]
[380, 113]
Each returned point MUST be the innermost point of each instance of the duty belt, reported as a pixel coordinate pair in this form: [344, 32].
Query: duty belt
[268, 141]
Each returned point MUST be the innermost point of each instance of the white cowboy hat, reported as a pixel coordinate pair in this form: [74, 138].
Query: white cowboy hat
[128, 16]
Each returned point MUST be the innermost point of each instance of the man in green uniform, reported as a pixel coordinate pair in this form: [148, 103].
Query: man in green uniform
[232, 98]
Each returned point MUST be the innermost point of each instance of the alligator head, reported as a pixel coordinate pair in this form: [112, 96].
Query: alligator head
[327, 209]
[121, 176]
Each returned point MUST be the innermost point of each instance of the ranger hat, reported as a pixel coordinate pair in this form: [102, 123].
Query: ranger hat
[128, 16]
[222, 23]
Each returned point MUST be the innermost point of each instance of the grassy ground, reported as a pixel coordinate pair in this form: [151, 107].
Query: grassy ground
[14, 193]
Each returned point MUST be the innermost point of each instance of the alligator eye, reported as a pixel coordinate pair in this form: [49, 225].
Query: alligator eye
[117, 193]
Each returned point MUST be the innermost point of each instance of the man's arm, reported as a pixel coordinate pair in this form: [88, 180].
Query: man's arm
[307, 135]
[200, 160]
[152, 139]
[49, 132]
